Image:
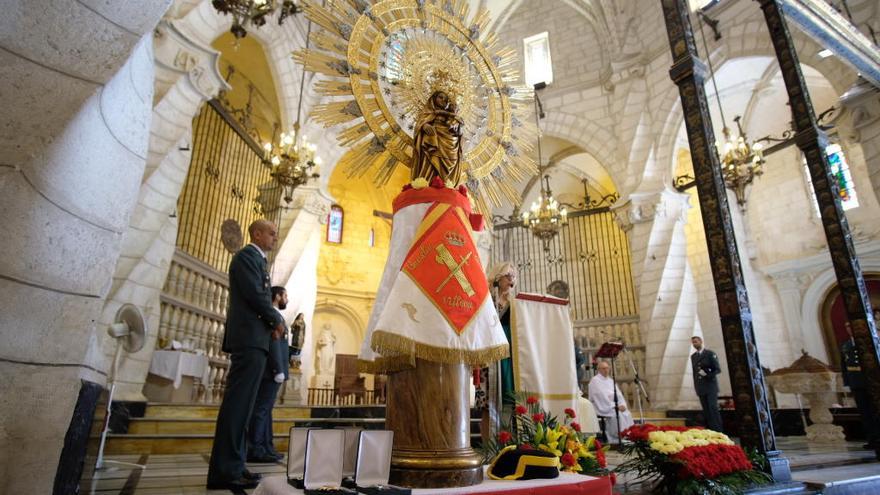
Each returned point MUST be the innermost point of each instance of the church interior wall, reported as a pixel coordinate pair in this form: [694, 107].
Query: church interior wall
[72, 163]
[102, 162]
[625, 112]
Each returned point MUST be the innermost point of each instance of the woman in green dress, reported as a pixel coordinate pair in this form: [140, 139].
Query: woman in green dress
[496, 387]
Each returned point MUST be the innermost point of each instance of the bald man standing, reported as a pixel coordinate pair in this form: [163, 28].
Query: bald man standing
[251, 325]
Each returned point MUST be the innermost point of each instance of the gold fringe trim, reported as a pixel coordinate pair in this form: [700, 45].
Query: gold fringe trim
[386, 364]
[400, 353]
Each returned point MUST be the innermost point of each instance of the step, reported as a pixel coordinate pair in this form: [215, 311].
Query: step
[852, 479]
[209, 411]
[184, 426]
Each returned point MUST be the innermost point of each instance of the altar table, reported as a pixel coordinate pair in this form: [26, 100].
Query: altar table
[565, 484]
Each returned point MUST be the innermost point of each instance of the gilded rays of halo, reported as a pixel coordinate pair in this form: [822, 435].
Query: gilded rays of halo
[384, 58]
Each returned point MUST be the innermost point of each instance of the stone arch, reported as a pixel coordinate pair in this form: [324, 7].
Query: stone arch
[811, 304]
[586, 134]
[353, 329]
[205, 24]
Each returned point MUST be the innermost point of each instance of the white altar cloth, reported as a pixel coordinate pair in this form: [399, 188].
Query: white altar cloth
[174, 365]
[277, 485]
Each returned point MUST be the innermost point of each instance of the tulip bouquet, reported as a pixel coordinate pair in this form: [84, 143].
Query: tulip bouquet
[532, 427]
[690, 461]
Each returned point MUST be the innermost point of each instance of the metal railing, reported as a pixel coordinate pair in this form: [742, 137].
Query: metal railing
[332, 397]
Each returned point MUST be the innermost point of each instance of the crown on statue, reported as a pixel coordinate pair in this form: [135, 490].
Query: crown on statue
[442, 80]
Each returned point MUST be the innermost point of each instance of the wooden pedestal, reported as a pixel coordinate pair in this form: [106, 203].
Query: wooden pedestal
[429, 411]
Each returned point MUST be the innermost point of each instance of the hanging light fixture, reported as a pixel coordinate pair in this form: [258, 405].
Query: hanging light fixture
[253, 12]
[545, 218]
[293, 159]
[741, 160]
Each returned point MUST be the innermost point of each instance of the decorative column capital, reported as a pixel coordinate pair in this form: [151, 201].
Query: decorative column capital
[179, 55]
[645, 207]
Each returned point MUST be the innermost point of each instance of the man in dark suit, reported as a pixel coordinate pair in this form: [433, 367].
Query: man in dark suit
[706, 370]
[854, 378]
[260, 446]
[252, 323]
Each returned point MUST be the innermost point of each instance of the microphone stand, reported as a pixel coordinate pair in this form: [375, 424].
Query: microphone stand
[640, 388]
[616, 406]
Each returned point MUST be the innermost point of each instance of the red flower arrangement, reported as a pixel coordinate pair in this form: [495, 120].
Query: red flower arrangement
[504, 436]
[711, 461]
[568, 460]
[521, 409]
[538, 418]
[570, 412]
[576, 426]
[639, 433]
[531, 400]
[686, 460]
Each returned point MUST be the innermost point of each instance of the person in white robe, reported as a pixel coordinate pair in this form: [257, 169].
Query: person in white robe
[601, 392]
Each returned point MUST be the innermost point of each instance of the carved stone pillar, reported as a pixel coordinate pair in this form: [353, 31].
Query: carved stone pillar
[812, 141]
[862, 102]
[744, 367]
[665, 289]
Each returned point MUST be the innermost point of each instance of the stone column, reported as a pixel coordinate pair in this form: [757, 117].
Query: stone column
[186, 77]
[77, 91]
[746, 377]
[665, 290]
[863, 104]
[812, 141]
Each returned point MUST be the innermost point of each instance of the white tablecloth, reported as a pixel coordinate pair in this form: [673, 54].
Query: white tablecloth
[277, 485]
[173, 365]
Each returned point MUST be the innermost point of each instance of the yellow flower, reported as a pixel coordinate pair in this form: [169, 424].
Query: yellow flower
[553, 450]
[419, 183]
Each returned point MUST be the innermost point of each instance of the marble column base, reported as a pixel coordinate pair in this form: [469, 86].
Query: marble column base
[825, 433]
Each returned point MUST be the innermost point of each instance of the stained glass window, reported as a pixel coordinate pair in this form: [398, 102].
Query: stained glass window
[538, 66]
[841, 173]
[334, 224]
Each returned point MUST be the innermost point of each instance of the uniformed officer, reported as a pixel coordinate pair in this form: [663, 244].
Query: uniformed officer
[855, 380]
[706, 370]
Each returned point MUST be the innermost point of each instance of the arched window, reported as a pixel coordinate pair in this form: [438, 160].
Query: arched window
[334, 224]
[843, 177]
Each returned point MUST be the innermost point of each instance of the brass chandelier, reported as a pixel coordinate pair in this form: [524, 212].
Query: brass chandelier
[741, 160]
[253, 12]
[545, 218]
[293, 159]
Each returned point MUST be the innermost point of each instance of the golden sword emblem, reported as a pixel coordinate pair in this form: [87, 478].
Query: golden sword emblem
[444, 257]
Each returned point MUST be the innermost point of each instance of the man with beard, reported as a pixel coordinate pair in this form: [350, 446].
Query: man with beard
[260, 446]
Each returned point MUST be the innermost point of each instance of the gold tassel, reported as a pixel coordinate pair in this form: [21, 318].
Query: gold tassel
[391, 345]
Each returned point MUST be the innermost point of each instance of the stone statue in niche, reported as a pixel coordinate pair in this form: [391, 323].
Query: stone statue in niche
[325, 357]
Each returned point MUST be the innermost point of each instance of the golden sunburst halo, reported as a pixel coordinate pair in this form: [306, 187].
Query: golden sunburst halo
[382, 59]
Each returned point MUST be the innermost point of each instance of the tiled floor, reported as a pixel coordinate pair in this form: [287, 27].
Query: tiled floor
[185, 474]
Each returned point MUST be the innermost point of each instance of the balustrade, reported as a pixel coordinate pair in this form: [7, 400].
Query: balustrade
[331, 397]
[193, 312]
[589, 335]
